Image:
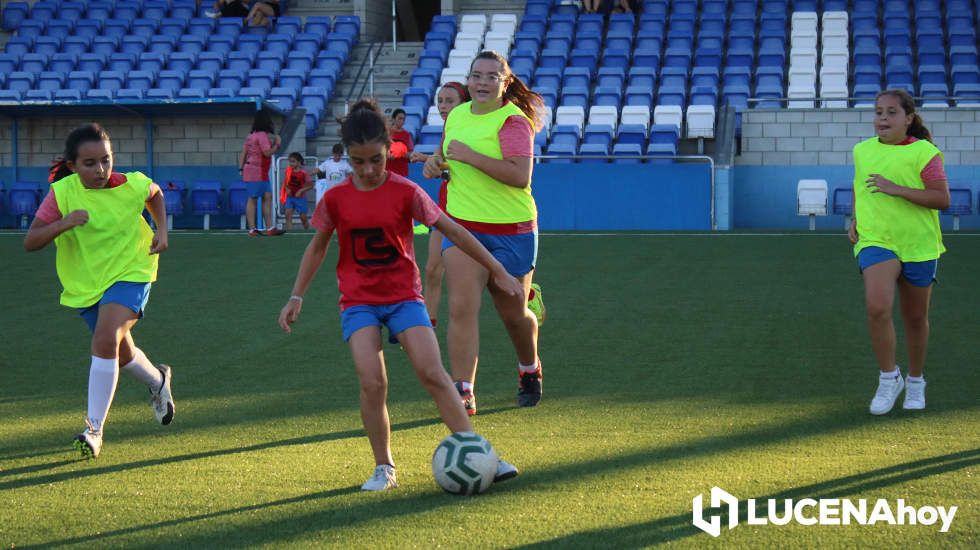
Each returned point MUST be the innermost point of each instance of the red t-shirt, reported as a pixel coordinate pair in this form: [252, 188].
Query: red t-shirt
[399, 162]
[376, 262]
[297, 180]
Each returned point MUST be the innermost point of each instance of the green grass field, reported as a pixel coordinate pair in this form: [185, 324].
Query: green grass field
[673, 363]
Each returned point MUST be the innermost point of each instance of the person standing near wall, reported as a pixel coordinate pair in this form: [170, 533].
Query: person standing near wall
[899, 187]
[488, 147]
[401, 144]
[253, 164]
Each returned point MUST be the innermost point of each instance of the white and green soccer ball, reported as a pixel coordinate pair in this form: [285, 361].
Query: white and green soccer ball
[464, 463]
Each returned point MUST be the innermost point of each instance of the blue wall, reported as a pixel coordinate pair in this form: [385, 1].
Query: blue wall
[764, 197]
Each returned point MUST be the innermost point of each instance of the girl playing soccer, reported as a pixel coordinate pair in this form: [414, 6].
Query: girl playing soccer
[899, 187]
[295, 185]
[488, 145]
[106, 261]
[372, 212]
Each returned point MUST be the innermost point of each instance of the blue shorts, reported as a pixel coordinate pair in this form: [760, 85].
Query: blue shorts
[256, 189]
[920, 274]
[132, 295]
[397, 317]
[518, 252]
[298, 204]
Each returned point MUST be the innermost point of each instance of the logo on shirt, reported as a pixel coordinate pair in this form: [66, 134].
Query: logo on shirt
[371, 249]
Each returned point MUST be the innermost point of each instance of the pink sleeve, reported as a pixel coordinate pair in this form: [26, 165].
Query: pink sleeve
[424, 209]
[49, 212]
[934, 171]
[263, 142]
[321, 217]
[154, 189]
[516, 137]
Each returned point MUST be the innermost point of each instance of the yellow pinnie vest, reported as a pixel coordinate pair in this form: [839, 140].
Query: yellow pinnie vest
[472, 195]
[113, 246]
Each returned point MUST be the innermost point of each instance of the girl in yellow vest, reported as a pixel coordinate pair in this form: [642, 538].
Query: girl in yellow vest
[899, 187]
[488, 146]
[106, 261]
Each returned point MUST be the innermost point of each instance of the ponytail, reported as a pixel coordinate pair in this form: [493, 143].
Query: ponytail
[529, 102]
[918, 128]
[58, 171]
[365, 124]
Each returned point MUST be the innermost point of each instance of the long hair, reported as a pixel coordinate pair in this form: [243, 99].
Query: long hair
[528, 101]
[83, 134]
[917, 128]
[365, 124]
[464, 94]
[263, 122]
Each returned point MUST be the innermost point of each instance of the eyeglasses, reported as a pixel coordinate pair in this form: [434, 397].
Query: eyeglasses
[492, 78]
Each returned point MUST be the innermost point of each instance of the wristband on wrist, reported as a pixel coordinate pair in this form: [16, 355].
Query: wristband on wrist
[296, 298]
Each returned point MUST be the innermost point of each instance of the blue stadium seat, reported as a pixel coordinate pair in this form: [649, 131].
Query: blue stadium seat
[191, 93]
[140, 80]
[68, 95]
[431, 135]
[23, 199]
[270, 61]
[598, 134]
[632, 133]
[135, 44]
[192, 44]
[10, 62]
[159, 94]
[350, 24]
[111, 80]
[142, 26]
[21, 81]
[76, 44]
[127, 10]
[289, 25]
[173, 197]
[221, 44]
[201, 26]
[129, 94]
[201, 79]
[322, 78]
[284, 97]
[575, 96]
[314, 99]
[639, 95]
[46, 45]
[611, 77]
[170, 80]
[553, 58]
[222, 92]
[320, 25]
[210, 61]
[332, 60]
[19, 45]
[262, 78]
[593, 153]
[14, 13]
[561, 149]
[292, 78]
[51, 80]
[844, 201]
[608, 96]
[39, 95]
[34, 62]
[548, 77]
[577, 77]
[621, 152]
[663, 140]
[646, 58]
[63, 62]
[238, 199]
[532, 23]
[240, 61]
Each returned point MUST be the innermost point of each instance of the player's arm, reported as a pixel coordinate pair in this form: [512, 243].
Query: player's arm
[513, 171]
[157, 207]
[472, 247]
[41, 232]
[313, 257]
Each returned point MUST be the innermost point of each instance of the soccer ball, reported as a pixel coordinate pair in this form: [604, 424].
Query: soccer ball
[464, 463]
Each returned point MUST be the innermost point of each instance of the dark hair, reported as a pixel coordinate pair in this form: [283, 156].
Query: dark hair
[365, 124]
[263, 122]
[918, 128]
[338, 148]
[396, 112]
[528, 101]
[83, 134]
[296, 156]
[464, 94]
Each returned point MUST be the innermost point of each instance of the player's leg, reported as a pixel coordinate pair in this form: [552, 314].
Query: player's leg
[250, 216]
[434, 271]
[915, 292]
[423, 351]
[466, 280]
[289, 219]
[267, 211]
[880, 280]
[305, 219]
[157, 378]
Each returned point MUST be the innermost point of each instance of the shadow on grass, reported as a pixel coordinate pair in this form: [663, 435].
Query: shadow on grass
[75, 474]
[281, 530]
[674, 527]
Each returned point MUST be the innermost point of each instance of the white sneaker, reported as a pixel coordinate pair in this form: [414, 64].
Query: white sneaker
[382, 479]
[915, 395]
[89, 442]
[505, 471]
[161, 400]
[212, 14]
[887, 393]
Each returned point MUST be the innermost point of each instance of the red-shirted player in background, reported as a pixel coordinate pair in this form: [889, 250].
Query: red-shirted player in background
[293, 195]
[372, 212]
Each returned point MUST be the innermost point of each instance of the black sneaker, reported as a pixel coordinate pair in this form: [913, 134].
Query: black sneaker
[529, 388]
[469, 400]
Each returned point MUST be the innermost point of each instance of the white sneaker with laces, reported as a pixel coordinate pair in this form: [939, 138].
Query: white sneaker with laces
[89, 442]
[382, 479]
[915, 395]
[505, 471]
[161, 400]
[886, 394]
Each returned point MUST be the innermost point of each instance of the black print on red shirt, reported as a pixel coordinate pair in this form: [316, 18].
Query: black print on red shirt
[371, 249]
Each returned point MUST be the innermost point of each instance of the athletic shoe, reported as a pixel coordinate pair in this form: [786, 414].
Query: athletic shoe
[420, 230]
[254, 233]
[915, 395]
[212, 14]
[161, 400]
[89, 442]
[382, 479]
[535, 302]
[469, 400]
[529, 388]
[505, 471]
[887, 393]
[273, 232]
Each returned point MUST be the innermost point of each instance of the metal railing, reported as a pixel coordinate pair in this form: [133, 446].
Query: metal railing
[368, 82]
[818, 100]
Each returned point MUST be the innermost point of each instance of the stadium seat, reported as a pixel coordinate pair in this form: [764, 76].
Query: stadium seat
[960, 204]
[205, 199]
[811, 199]
[23, 199]
[701, 121]
[237, 200]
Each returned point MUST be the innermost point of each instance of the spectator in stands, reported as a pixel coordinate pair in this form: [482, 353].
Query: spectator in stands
[294, 188]
[107, 259]
[899, 187]
[332, 171]
[401, 144]
[372, 214]
[228, 8]
[450, 95]
[263, 12]
[606, 7]
[254, 161]
[488, 146]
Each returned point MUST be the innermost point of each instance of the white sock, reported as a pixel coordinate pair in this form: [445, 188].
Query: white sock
[102, 378]
[527, 368]
[891, 375]
[466, 385]
[143, 370]
[914, 379]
